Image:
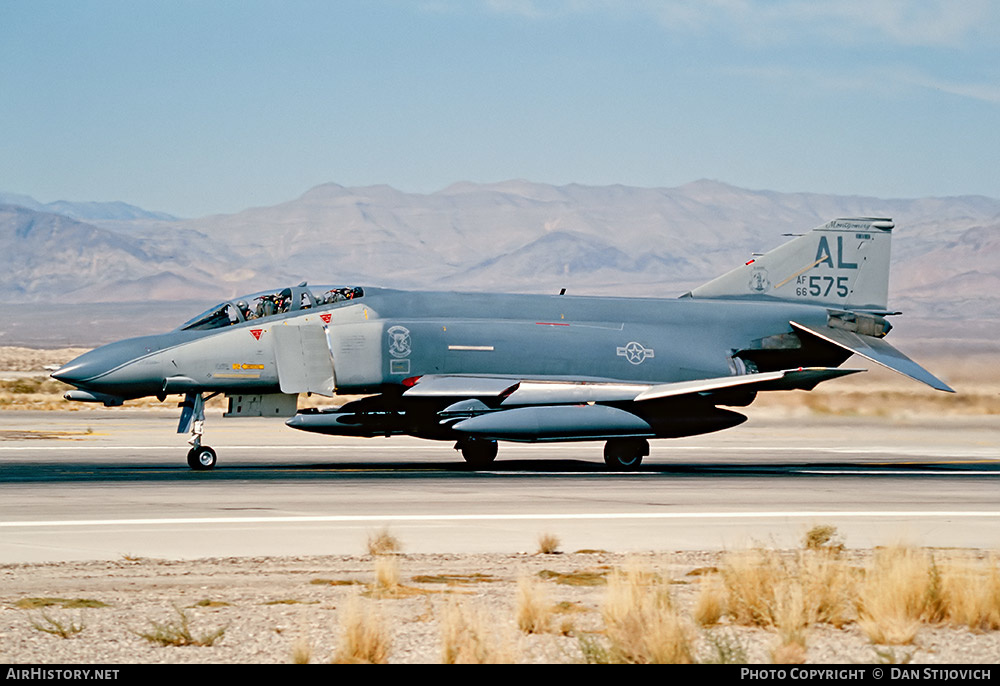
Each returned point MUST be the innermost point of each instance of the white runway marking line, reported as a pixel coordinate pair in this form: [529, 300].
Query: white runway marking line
[304, 519]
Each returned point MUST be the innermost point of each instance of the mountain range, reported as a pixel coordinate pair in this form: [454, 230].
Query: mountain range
[103, 270]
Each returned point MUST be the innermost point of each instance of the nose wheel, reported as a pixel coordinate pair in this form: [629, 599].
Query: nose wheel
[200, 458]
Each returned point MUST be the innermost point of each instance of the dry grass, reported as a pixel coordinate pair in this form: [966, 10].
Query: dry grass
[641, 623]
[455, 579]
[469, 636]
[566, 613]
[64, 603]
[764, 588]
[336, 582]
[822, 536]
[830, 585]
[57, 627]
[888, 656]
[548, 544]
[534, 609]
[179, 633]
[365, 637]
[386, 574]
[751, 579]
[290, 601]
[383, 543]
[565, 607]
[790, 621]
[906, 587]
[970, 593]
[302, 652]
[206, 602]
[583, 577]
[783, 593]
[793, 653]
[387, 585]
[710, 605]
[901, 589]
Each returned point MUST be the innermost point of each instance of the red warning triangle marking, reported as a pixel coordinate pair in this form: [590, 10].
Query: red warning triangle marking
[325, 318]
[256, 333]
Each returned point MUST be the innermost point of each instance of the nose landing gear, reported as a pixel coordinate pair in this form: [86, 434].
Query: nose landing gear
[200, 457]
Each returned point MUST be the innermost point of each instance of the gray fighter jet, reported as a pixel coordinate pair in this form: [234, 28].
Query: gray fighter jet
[478, 368]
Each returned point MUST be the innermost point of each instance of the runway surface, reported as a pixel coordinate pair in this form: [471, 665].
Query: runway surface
[106, 484]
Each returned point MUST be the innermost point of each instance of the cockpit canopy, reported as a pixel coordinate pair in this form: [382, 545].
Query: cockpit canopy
[269, 304]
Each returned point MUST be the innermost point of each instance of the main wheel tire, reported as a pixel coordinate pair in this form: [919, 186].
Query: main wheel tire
[625, 453]
[479, 452]
[201, 459]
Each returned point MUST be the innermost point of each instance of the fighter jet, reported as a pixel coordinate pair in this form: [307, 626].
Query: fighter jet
[478, 368]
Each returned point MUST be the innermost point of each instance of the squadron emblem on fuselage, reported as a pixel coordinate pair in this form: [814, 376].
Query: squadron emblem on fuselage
[399, 341]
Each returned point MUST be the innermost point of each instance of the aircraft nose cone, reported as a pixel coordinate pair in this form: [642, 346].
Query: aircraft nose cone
[102, 367]
[81, 369]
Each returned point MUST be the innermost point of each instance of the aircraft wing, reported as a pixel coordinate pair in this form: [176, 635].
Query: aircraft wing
[555, 409]
[505, 392]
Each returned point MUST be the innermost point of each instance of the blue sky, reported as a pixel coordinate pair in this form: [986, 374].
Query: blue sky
[203, 107]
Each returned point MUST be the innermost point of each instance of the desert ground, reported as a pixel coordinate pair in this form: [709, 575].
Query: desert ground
[578, 607]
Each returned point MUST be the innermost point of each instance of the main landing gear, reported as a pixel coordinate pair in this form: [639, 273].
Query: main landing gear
[200, 457]
[620, 454]
[478, 452]
[625, 453]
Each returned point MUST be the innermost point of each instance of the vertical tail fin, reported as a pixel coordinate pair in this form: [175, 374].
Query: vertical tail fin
[843, 263]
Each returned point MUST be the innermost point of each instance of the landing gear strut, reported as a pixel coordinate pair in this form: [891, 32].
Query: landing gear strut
[200, 457]
[478, 452]
[625, 453]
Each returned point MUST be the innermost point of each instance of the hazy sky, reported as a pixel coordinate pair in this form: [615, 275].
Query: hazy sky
[209, 106]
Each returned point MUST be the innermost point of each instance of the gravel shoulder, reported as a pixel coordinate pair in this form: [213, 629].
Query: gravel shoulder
[270, 608]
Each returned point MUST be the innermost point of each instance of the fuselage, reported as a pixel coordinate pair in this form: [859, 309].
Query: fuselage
[387, 336]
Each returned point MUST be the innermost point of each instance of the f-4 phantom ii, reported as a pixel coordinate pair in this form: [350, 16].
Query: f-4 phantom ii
[478, 368]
